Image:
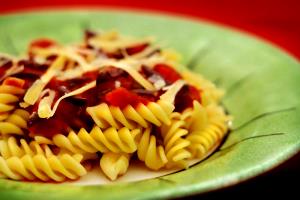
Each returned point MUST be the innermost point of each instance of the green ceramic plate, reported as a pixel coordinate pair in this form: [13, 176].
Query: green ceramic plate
[263, 95]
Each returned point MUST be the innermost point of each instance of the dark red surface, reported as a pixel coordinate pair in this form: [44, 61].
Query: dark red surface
[275, 20]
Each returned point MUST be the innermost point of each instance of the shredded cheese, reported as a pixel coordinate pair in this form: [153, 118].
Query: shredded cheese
[45, 104]
[66, 52]
[33, 93]
[111, 45]
[85, 67]
[49, 113]
[145, 52]
[124, 65]
[23, 105]
[135, 75]
[64, 71]
[172, 91]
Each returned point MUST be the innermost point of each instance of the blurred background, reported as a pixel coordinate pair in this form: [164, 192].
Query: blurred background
[277, 21]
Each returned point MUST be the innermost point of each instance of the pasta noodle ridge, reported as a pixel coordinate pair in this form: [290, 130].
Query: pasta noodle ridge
[9, 97]
[15, 123]
[157, 113]
[40, 167]
[175, 143]
[114, 164]
[205, 140]
[111, 139]
[150, 152]
[9, 147]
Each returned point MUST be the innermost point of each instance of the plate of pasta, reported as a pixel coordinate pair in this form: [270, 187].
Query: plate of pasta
[134, 105]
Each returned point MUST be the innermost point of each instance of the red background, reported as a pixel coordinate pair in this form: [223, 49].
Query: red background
[275, 20]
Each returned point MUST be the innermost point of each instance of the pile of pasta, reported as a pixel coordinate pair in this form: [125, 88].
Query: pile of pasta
[101, 103]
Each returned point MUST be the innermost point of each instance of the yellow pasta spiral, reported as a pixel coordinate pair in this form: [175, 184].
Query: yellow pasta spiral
[8, 99]
[114, 164]
[56, 168]
[157, 113]
[206, 140]
[15, 123]
[209, 92]
[9, 147]
[175, 143]
[111, 139]
[148, 151]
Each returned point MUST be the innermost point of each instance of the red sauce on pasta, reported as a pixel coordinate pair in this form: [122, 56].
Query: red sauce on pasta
[12, 81]
[114, 86]
[136, 49]
[71, 111]
[121, 97]
[68, 115]
[185, 97]
[42, 43]
[169, 74]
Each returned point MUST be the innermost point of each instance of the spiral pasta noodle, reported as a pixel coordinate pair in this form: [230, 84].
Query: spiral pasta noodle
[111, 139]
[114, 164]
[9, 147]
[40, 167]
[196, 118]
[155, 113]
[15, 123]
[150, 152]
[9, 97]
[175, 143]
[205, 140]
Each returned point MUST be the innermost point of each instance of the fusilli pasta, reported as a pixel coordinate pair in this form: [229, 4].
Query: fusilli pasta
[150, 152]
[111, 139]
[157, 113]
[15, 123]
[40, 167]
[205, 140]
[9, 147]
[114, 164]
[9, 97]
[175, 143]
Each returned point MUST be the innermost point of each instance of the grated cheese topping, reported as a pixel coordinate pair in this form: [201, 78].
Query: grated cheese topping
[33, 93]
[172, 91]
[112, 41]
[72, 62]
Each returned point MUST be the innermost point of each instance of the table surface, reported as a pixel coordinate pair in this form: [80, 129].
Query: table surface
[275, 20]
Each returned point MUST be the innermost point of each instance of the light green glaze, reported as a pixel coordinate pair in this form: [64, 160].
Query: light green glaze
[259, 79]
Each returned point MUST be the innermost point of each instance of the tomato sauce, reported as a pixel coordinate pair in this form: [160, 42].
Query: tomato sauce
[168, 73]
[115, 87]
[42, 43]
[12, 81]
[121, 97]
[185, 97]
[71, 112]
